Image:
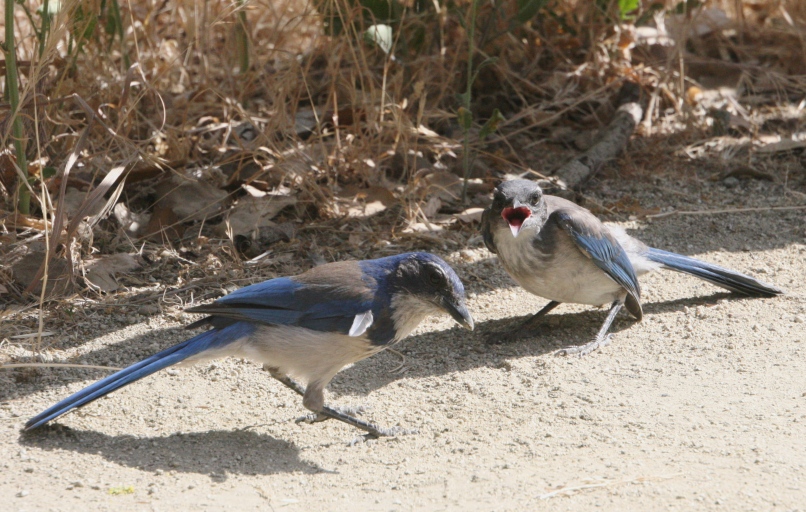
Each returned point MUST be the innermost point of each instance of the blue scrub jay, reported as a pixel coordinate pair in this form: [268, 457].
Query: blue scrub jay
[308, 326]
[560, 251]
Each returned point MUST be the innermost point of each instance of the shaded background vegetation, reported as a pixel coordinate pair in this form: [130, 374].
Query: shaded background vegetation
[161, 145]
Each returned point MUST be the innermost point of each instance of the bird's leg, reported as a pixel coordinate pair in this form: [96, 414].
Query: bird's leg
[290, 383]
[524, 329]
[602, 338]
[313, 399]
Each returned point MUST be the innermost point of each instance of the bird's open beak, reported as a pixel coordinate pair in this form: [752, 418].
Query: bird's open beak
[459, 313]
[515, 217]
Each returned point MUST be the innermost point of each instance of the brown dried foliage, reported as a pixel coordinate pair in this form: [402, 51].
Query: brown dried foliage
[333, 121]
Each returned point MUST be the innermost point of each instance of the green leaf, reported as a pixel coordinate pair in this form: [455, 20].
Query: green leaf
[491, 125]
[625, 7]
[48, 172]
[381, 10]
[83, 24]
[380, 35]
[486, 62]
[465, 118]
[527, 9]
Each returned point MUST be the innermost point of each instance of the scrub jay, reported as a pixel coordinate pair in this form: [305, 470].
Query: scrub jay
[308, 326]
[559, 250]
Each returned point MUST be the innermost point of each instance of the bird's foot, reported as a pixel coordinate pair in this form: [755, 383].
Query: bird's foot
[587, 348]
[348, 415]
[316, 417]
[384, 432]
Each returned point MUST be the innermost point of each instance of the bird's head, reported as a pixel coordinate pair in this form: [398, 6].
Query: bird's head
[519, 205]
[428, 284]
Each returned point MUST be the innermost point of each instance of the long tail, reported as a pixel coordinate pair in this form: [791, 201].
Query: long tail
[212, 339]
[720, 276]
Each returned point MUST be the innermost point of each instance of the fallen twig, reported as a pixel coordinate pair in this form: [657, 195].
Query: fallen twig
[612, 140]
[568, 489]
[727, 210]
[58, 365]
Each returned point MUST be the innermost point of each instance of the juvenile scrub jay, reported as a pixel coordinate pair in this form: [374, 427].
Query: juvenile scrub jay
[308, 327]
[559, 250]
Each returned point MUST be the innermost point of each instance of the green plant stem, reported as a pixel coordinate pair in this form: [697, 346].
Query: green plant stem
[119, 25]
[242, 40]
[45, 28]
[471, 49]
[10, 47]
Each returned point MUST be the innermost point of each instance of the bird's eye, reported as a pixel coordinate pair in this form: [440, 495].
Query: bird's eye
[435, 276]
[535, 198]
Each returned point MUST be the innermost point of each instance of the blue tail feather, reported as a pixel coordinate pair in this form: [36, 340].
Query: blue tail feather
[211, 339]
[714, 274]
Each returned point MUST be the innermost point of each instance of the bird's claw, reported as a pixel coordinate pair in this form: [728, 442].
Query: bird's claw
[384, 432]
[311, 418]
[585, 349]
[316, 417]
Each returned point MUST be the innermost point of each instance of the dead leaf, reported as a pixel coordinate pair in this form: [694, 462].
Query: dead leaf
[74, 198]
[25, 272]
[252, 213]
[705, 21]
[190, 199]
[421, 227]
[745, 172]
[445, 185]
[306, 120]
[470, 215]
[18, 220]
[8, 173]
[162, 225]
[781, 146]
[101, 272]
[431, 207]
[365, 202]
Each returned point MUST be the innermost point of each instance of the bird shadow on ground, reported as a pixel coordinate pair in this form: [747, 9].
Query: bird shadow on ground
[433, 353]
[454, 350]
[135, 349]
[216, 453]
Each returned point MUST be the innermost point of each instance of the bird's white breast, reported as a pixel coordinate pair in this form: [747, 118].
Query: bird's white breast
[296, 351]
[565, 275]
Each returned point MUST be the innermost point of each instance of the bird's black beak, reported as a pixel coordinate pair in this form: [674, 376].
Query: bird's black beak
[458, 311]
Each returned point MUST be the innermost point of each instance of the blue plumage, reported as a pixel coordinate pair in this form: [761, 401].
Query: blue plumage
[209, 340]
[720, 276]
[605, 252]
[309, 326]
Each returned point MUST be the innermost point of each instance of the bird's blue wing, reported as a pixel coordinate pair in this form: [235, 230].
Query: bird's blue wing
[324, 305]
[603, 249]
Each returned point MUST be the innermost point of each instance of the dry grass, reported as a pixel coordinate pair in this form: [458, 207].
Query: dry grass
[363, 148]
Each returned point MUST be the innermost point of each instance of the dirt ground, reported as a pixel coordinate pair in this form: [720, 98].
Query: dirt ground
[702, 406]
